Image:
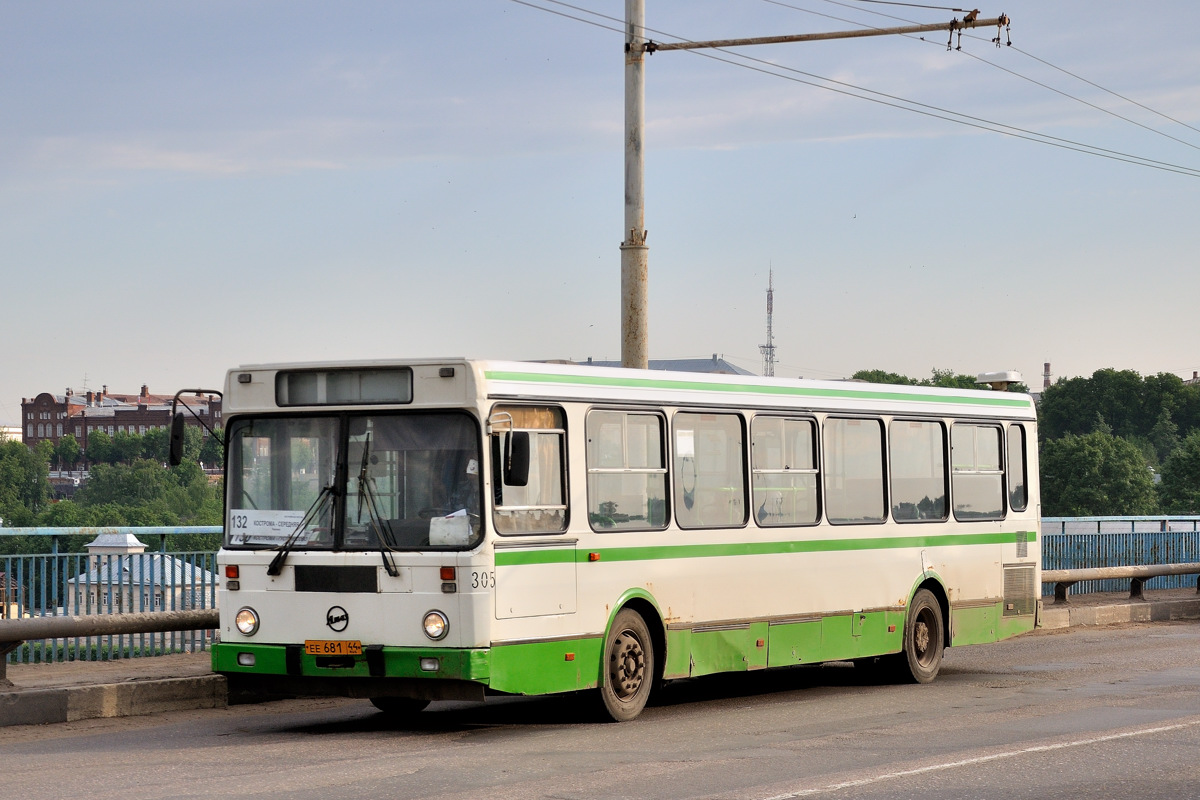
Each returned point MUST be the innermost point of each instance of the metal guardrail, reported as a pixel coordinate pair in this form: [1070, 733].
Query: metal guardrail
[1064, 579]
[14, 632]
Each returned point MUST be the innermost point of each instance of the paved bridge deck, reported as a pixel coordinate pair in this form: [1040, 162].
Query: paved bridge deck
[63, 692]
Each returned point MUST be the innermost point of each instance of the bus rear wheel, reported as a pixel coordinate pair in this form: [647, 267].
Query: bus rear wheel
[924, 638]
[399, 707]
[628, 673]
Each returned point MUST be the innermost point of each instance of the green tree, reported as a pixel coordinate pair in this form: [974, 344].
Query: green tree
[1095, 475]
[155, 444]
[24, 482]
[193, 440]
[946, 379]
[1132, 405]
[134, 484]
[126, 447]
[212, 451]
[881, 376]
[1164, 436]
[1179, 492]
[68, 451]
[99, 448]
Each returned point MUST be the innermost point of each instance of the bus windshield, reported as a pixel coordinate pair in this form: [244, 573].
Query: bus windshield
[363, 481]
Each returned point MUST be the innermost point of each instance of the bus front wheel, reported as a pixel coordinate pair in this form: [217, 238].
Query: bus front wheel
[924, 637]
[628, 672]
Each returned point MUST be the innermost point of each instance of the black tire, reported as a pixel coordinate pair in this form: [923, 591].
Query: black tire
[399, 707]
[924, 638]
[627, 674]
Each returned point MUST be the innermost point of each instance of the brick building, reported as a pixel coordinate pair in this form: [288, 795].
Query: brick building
[49, 417]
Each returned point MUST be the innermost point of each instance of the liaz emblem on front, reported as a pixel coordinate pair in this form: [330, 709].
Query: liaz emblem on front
[337, 619]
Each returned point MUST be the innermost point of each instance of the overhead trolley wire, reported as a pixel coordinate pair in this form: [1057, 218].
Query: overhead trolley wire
[881, 98]
[1025, 53]
[1108, 91]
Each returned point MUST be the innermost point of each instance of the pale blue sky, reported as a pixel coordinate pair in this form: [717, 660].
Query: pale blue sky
[189, 186]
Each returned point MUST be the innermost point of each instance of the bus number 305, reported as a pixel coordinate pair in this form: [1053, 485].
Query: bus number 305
[483, 580]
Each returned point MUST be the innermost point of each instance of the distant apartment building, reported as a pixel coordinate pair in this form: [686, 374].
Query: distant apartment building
[49, 417]
[10, 433]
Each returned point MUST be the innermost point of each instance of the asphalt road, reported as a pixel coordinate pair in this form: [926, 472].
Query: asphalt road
[1076, 713]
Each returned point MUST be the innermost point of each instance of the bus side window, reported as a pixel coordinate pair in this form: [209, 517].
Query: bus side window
[978, 476]
[917, 451]
[854, 471]
[538, 506]
[1018, 494]
[710, 484]
[784, 471]
[626, 471]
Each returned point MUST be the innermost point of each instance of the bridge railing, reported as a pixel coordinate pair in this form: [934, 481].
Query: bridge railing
[1071, 543]
[54, 584]
[77, 584]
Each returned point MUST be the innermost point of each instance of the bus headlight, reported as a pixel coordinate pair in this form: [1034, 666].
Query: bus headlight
[246, 621]
[436, 625]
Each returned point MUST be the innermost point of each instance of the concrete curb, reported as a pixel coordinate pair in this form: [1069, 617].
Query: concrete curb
[1071, 615]
[130, 698]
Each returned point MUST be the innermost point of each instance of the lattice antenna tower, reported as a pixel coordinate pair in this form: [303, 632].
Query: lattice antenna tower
[768, 349]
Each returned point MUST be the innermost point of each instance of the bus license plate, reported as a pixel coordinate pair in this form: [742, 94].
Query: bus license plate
[332, 647]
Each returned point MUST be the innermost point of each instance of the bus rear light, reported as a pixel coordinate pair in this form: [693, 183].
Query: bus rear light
[231, 571]
[233, 586]
[447, 573]
[430, 665]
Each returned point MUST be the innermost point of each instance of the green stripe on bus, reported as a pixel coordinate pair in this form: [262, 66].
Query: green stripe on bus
[508, 558]
[792, 391]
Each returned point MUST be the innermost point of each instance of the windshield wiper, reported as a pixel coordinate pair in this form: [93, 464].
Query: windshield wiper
[378, 525]
[326, 494]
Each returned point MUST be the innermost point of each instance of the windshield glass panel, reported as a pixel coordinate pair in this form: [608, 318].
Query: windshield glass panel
[354, 482]
[414, 482]
[278, 472]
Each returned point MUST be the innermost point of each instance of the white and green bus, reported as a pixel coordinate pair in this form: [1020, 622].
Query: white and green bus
[408, 531]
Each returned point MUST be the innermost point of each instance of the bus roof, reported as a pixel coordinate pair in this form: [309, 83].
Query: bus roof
[559, 381]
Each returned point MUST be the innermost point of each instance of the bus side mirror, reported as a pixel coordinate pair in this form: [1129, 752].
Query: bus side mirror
[176, 453]
[516, 458]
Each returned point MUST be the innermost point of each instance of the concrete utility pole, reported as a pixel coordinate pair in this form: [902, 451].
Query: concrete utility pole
[634, 335]
[634, 253]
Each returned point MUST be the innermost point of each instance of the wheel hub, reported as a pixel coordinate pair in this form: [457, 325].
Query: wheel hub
[627, 665]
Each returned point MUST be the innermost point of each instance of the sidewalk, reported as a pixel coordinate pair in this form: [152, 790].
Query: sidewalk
[74, 690]
[64, 692]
